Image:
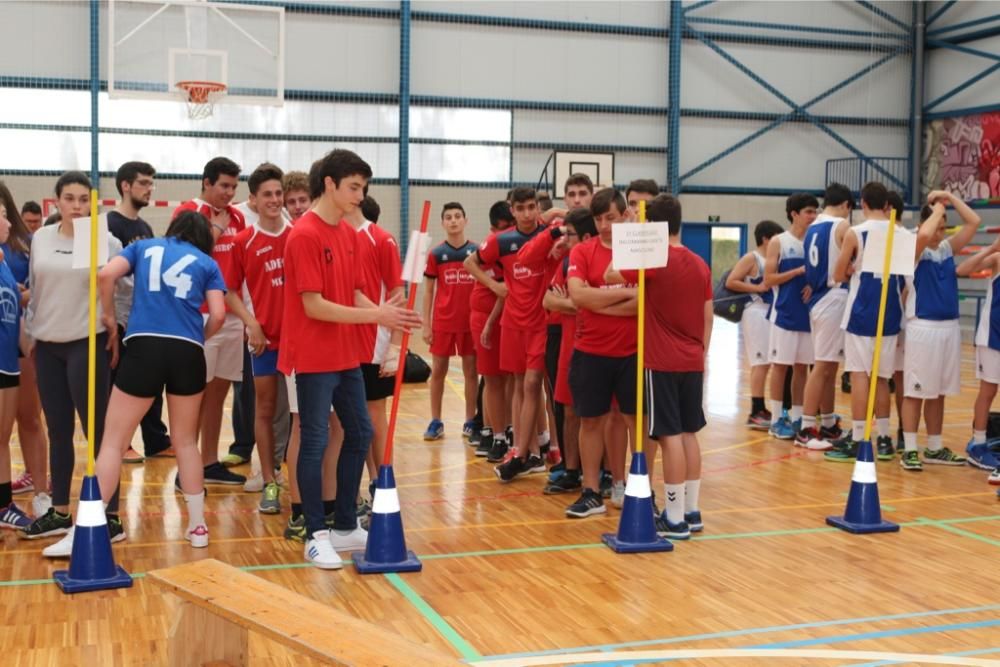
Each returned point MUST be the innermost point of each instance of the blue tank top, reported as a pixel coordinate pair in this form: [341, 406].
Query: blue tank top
[789, 311]
[934, 288]
[17, 262]
[821, 256]
[865, 293]
[10, 321]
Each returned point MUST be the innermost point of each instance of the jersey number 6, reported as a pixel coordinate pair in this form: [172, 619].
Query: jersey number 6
[814, 252]
[181, 282]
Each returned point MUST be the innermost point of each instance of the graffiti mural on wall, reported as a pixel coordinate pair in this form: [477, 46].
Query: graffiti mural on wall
[962, 155]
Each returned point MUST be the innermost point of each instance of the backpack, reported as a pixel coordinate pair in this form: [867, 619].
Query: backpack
[416, 370]
[726, 303]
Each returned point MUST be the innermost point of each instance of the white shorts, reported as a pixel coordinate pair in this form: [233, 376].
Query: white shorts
[756, 332]
[933, 357]
[860, 350]
[824, 319]
[293, 395]
[988, 364]
[224, 351]
[790, 347]
[900, 363]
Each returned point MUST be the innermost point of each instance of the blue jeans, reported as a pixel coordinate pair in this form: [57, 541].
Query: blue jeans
[345, 390]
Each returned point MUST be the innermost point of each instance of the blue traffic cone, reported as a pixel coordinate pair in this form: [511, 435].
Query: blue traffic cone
[386, 547]
[91, 565]
[863, 513]
[636, 530]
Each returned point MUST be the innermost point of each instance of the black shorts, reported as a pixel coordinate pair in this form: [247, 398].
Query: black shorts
[674, 403]
[150, 363]
[553, 341]
[595, 379]
[377, 388]
[9, 381]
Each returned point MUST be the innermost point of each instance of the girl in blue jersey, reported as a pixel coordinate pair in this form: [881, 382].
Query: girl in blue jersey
[10, 331]
[174, 276]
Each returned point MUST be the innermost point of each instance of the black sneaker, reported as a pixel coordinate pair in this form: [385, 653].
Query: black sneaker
[910, 460]
[606, 484]
[115, 528]
[588, 504]
[50, 524]
[884, 449]
[498, 450]
[694, 522]
[509, 432]
[485, 443]
[568, 481]
[511, 470]
[216, 473]
[673, 531]
[534, 464]
[843, 451]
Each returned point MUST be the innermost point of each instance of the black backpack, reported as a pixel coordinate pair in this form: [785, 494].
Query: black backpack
[726, 303]
[416, 370]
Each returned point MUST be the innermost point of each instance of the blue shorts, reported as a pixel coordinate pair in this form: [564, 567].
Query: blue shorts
[266, 364]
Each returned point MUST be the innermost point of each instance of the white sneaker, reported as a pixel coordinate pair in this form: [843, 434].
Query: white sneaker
[347, 541]
[279, 477]
[198, 537]
[254, 483]
[320, 552]
[618, 494]
[40, 504]
[61, 549]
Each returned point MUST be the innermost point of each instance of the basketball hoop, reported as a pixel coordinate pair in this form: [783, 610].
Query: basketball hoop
[201, 97]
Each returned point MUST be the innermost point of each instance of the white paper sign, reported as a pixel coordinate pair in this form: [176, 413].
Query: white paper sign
[640, 245]
[904, 246]
[81, 242]
[416, 257]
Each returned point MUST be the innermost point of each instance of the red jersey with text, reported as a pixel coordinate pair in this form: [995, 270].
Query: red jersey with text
[257, 271]
[606, 335]
[222, 251]
[453, 289]
[526, 282]
[383, 273]
[323, 258]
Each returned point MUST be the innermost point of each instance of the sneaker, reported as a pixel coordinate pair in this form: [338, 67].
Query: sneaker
[693, 520]
[363, 511]
[435, 430]
[588, 504]
[198, 536]
[843, 451]
[41, 504]
[618, 494]
[64, 547]
[910, 460]
[468, 430]
[568, 481]
[534, 464]
[296, 529]
[476, 437]
[347, 540]
[944, 457]
[557, 471]
[605, 484]
[269, 503]
[820, 443]
[116, 529]
[12, 517]
[485, 442]
[994, 477]
[981, 457]
[511, 470]
[230, 460]
[673, 531]
[132, 456]
[759, 421]
[884, 451]
[254, 483]
[22, 484]
[498, 450]
[554, 457]
[216, 473]
[782, 429]
[805, 436]
[321, 553]
[50, 524]
[831, 433]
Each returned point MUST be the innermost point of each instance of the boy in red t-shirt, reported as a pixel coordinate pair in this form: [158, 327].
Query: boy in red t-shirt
[678, 331]
[446, 315]
[323, 303]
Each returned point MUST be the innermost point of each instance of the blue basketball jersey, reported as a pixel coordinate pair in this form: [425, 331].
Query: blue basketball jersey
[171, 278]
[861, 313]
[789, 311]
[17, 262]
[822, 253]
[10, 321]
[763, 297]
[988, 333]
[933, 293]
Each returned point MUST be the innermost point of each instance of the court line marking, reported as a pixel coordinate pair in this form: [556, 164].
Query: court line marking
[958, 531]
[978, 651]
[443, 628]
[706, 452]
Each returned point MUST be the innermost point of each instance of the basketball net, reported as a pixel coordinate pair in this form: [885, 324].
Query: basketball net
[201, 97]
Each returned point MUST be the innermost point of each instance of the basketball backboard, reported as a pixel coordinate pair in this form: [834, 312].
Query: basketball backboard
[599, 166]
[154, 44]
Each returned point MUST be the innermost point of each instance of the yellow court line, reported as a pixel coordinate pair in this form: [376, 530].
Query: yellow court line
[706, 452]
[454, 387]
[464, 464]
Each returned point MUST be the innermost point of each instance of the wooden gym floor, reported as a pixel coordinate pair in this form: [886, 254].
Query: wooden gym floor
[507, 575]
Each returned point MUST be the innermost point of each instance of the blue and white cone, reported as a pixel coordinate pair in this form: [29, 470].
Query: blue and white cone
[863, 513]
[636, 529]
[91, 566]
[386, 547]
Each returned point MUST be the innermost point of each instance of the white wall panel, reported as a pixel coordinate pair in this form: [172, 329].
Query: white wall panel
[947, 69]
[341, 53]
[843, 15]
[590, 128]
[648, 14]
[628, 166]
[45, 39]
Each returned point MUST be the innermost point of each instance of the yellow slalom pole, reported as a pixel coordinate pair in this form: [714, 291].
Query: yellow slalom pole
[92, 335]
[873, 378]
[640, 348]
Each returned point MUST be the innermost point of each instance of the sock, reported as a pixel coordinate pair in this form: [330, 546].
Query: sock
[328, 507]
[6, 494]
[858, 430]
[196, 510]
[691, 489]
[756, 404]
[776, 408]
[296, 511]
[673, 496]
[795, 413]
[934, 443]
[882, 426]
[543, 439]
[830, 420]
[808, 422]
[910, 441]
[978, 437]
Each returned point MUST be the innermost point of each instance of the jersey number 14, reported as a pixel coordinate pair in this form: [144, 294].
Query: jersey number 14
[173, 276]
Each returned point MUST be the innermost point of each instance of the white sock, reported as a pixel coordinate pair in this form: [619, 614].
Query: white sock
[979, 437]
[543, 438]
[934, 443]
[691, 489]
[795, 413]
[776, 410]
[196, 510]
[673, 498]
[808, 422]
[882, 426]
[910, 441]
[858, 430]
[830, 420]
